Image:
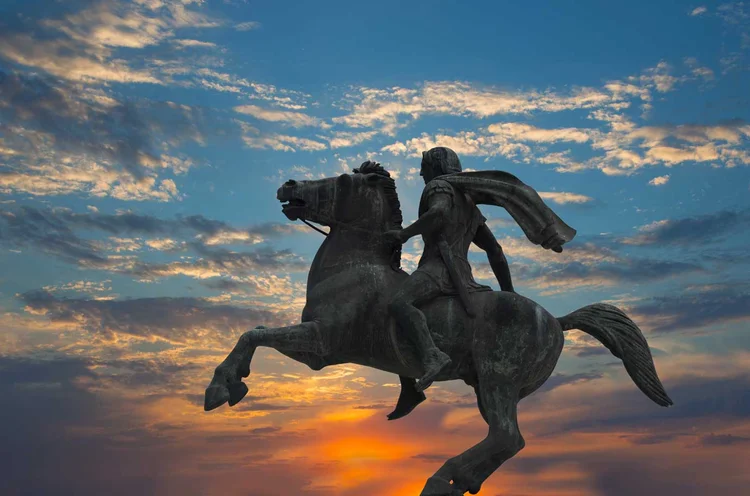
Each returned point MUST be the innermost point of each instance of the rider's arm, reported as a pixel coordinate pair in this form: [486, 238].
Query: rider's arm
[485, 240]
[432, 220]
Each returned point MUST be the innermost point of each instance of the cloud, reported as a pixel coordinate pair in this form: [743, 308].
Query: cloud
[698, 11]
[722, 440]
[626, 147]
[111, 434]
[247, 26]
[48, 125]
[621, 149]
[526, 132]
[83, 46]
[212, 263]
[54, 231]
[699, 71]
[229, 83]
[659, 180]
[386, 107]
[294, 119]
[342, 139]
[558, 380]
[257, 285]
[30, 224]
[63, 58]
[186, 43]
[556, 278]
[253, 138]
[65, 115]
[562, 197]
[393, 108]
[707, 228]
[178, 320]
[696, 308]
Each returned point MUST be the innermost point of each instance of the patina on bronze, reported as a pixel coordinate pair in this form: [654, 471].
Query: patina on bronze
[506, 352]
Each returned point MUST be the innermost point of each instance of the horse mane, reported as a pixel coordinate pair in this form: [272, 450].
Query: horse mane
[391, 196]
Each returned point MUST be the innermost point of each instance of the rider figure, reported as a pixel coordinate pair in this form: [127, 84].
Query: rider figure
[449, 222]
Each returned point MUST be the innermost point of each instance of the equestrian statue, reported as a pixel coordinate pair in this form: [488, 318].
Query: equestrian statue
[437, 324]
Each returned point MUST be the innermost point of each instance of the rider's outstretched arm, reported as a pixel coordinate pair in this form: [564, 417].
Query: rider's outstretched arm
[432, 220]
[485, 240]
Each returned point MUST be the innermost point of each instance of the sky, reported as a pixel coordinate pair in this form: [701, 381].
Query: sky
[141, 146]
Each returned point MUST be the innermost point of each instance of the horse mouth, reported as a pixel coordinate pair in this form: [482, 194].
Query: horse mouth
[293, 208]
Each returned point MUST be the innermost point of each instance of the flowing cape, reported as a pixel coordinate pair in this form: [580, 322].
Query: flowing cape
[538, 221]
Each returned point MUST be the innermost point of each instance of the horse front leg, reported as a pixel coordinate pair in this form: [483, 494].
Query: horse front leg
[227, 385]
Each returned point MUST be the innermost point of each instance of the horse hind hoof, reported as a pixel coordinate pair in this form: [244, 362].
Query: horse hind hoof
[216, 396]
[237, 391]
[437, 486]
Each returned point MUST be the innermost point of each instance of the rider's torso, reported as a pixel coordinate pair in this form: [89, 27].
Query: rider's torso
[460, 225]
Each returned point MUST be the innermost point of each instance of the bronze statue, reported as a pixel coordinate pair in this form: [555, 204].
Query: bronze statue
[505, 352]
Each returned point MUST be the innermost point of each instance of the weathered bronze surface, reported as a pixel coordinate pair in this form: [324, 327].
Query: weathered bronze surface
[438, 323]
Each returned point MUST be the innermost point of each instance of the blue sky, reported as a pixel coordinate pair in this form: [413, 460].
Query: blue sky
[142, 143]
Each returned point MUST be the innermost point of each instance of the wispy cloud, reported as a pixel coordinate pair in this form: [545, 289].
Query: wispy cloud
[83, 46]
[659, 180]
[48, 126]
[253, 138]
[55, 232]
[295, 119]
[562, 197]
[247, 26]
[176, 320]
[707, 228]
[696, 308]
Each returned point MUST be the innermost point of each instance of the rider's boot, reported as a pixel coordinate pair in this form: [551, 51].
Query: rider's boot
[408, 399]
[434, 362]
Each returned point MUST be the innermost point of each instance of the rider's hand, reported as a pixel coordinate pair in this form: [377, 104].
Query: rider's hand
[394, 237]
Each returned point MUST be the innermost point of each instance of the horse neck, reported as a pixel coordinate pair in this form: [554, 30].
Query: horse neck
[344, 248]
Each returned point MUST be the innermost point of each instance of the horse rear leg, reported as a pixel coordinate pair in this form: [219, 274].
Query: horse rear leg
[467, 471]
[227, 385]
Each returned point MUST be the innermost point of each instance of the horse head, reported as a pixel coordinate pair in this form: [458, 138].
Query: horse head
[366, 200]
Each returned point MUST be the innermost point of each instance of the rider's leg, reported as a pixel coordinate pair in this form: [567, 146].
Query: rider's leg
[416, 289]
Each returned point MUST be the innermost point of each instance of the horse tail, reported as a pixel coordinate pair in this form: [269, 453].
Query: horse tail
[609, 325]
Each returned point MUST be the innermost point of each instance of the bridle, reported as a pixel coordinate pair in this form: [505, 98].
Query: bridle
[395, 257]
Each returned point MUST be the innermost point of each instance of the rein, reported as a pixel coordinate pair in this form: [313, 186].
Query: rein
[316, 228]
[340, 224]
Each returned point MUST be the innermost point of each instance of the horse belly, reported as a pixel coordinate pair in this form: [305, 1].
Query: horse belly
[511, 337]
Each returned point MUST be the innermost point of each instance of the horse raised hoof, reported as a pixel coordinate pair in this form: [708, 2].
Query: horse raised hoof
[437, 486]
[237, 391]
[216, 395]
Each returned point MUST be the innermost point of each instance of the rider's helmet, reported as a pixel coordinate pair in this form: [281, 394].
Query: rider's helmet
[443, 160]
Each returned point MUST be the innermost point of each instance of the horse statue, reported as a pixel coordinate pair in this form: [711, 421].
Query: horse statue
[506, 352]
